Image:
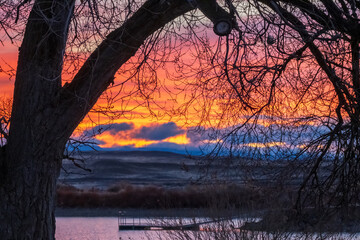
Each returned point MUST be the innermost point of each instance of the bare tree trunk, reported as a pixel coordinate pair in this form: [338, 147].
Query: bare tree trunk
[28, 196]
[32, 160]
[44, 114]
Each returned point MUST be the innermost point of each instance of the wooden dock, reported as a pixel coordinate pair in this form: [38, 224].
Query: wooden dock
[192, 227]
[127, 223]
[136, 223]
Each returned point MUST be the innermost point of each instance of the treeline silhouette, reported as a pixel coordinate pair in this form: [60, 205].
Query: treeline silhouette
[271, 203]
[125, 195]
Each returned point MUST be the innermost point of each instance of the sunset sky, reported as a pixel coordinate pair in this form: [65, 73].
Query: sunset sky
[138, 129]
[164, 122]
[134, 130]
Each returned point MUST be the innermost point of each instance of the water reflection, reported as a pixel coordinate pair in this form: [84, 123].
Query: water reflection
[94, 228]
[106, 228]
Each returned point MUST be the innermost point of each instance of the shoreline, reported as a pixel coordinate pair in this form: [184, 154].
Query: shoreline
[144, 213]
[178, 213]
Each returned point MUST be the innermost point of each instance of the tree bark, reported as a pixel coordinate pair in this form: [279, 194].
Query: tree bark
[44, 114]
[28, 197]
[32, 157]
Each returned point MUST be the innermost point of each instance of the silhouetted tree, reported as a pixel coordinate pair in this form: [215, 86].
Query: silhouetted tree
[45, 112]
[288, 89]
[291, 69]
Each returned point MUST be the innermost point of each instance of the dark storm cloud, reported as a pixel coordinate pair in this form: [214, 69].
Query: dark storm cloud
[159, 132]
[113, 128]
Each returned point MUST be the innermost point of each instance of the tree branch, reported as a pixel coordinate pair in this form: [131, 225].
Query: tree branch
[77, 98]
[356, 74]
[311, 10]
[341, 91]
[2, 131]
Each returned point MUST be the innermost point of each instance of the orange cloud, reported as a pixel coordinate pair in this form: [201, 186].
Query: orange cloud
[180, 139]
[264, 145]
[138, 135]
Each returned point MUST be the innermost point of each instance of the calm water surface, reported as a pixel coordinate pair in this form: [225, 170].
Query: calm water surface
[96, 228]
[106, 228]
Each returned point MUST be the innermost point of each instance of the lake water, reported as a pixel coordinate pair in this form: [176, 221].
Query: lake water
[106, 228]
[94, 228]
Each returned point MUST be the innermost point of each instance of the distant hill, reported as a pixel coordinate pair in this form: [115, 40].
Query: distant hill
[134, 167]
